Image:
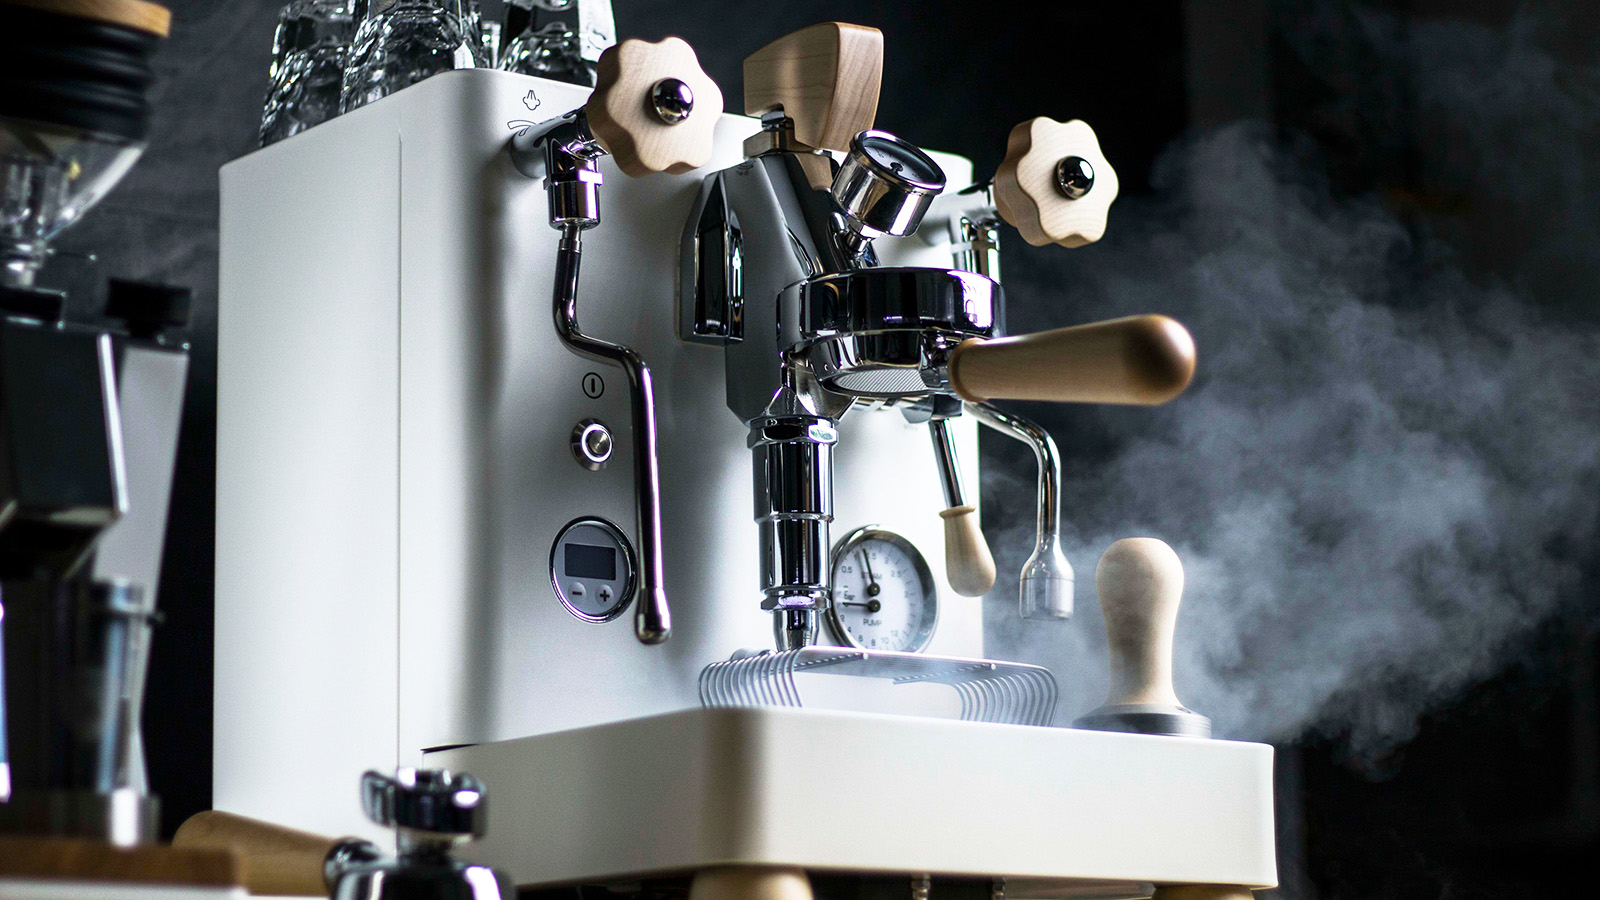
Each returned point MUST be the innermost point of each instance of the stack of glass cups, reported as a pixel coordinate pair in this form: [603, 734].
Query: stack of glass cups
[309, 53]
[400, 42]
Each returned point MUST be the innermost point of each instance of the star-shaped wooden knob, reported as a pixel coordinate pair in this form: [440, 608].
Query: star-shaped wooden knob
[653, 108]
[1055, 186]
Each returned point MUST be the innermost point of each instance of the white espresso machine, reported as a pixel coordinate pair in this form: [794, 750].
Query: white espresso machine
[644, 544]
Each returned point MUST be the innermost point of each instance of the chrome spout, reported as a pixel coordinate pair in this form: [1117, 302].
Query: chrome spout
[1046, 587]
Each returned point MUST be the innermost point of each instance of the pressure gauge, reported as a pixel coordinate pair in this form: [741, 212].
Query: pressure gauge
[883, 593]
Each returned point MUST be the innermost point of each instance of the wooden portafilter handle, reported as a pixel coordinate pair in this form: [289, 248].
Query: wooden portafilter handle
[1140, 583]
[277, 860]
[1141, 360]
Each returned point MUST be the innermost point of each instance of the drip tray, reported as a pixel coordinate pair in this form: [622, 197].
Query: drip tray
[856, 792]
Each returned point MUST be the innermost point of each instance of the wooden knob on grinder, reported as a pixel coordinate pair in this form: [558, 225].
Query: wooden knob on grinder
[825, 78]
[645, 126]
[277, 860]
[1142, 360]
[1140, 583]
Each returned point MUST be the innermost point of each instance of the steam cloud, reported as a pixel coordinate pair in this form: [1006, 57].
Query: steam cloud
[1386, 470]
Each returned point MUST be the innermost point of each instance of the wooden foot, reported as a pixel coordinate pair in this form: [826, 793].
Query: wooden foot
[1202, 892]
[750, 883]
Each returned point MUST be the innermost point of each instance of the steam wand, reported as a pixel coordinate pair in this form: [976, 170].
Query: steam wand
[652, 110]
[652, 619]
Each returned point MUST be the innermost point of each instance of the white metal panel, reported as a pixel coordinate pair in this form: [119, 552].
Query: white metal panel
[307, 400]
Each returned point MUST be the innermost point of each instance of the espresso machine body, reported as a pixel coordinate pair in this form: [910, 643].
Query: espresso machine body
[396, 460]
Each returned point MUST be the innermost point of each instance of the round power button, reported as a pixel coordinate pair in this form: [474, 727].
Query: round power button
[592, 444]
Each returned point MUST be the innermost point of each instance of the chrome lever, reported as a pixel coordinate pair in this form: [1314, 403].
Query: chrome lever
[1046, 588]
[652, 618]
[565, 152]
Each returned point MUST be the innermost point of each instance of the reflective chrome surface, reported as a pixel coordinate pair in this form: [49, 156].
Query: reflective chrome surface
[431, 810]
[1074, 177]
[1046, 589]
[565, 153]
[884, 186]
[672, 100]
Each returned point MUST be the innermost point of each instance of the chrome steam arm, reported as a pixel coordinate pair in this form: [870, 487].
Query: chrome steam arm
[653, 110]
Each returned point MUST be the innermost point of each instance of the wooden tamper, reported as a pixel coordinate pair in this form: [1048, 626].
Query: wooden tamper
[1140, 582]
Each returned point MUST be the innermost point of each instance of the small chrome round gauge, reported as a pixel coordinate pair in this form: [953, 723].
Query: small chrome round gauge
[883, 592]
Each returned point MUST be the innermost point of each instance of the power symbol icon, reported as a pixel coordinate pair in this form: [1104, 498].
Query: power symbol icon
[593, 385]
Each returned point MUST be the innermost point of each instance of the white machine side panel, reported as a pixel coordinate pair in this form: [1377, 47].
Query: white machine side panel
[307, 402]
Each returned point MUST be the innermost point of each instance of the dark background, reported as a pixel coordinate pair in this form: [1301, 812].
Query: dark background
[1498, 793]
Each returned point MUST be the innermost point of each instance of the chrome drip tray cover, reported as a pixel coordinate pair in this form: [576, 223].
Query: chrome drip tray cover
[882, 681]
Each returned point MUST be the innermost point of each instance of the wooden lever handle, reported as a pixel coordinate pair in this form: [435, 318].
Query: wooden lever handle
[277, 860]
[1142, 360]
[622, 112]
[968, 564]
[825, 78]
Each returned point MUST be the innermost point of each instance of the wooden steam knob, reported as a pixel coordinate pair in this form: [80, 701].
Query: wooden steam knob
[1140, 582]
[1055, 186]
[1202, 892]
[825, 78]
[1140, 360]
[653, 108]
[750, 883]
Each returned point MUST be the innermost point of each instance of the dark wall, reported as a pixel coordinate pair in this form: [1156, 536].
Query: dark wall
[1426, 158]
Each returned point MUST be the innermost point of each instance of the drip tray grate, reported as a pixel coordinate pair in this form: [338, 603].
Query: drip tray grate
[882, 681]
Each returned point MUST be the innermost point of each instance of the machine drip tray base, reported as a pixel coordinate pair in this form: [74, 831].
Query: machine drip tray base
[1057, 810]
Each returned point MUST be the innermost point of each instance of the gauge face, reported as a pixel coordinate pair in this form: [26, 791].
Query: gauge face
[883, 593]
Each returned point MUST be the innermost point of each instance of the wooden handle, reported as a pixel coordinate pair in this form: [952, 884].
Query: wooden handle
[825, 77]
[136, 14]
[750, 883]
[623, 116]
[277, 860]
[1026, 189]
[967, 561]
[1202, 892]
[1143, 360]
[1140, 582]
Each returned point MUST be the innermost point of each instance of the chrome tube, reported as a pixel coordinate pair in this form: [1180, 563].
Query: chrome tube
[652, 619]
[944, 453]
[793, 475]
[1046, 587]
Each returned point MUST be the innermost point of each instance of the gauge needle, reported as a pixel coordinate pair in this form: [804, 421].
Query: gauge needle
[872, 580]
[870, 606]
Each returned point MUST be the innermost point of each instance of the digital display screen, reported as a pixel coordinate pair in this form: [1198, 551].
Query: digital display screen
[588, 561]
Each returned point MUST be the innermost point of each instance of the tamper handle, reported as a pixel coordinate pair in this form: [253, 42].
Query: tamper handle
[1140, 582]
[825, 78]
[1143, 360]
[642, 135]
